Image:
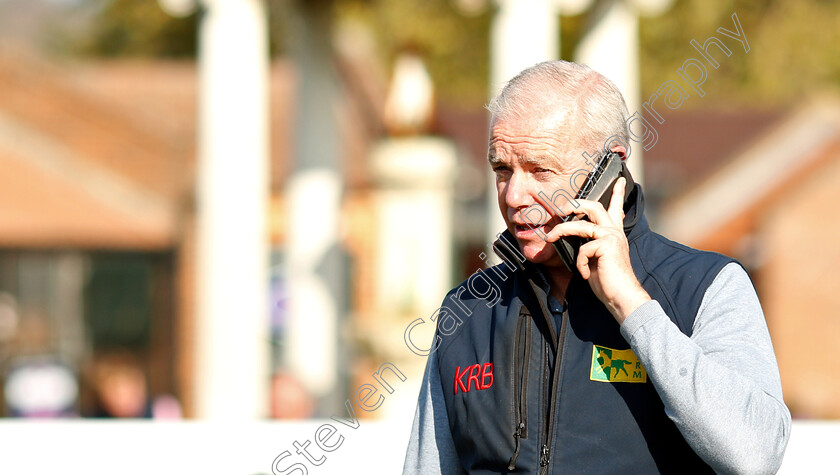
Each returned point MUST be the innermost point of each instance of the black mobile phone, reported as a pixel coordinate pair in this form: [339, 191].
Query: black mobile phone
[598, 186]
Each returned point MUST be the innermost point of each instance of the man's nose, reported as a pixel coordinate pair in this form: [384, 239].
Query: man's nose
[518, 193]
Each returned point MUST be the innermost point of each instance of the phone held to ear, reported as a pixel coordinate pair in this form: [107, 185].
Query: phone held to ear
[598, 186]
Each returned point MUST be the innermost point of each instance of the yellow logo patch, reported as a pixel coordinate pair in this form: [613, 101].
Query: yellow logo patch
[616, 366]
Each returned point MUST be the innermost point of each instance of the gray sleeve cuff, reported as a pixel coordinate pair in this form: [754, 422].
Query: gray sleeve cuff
[645, 313]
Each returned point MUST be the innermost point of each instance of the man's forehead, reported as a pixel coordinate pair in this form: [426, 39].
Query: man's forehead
[545, 134]
[552, 119]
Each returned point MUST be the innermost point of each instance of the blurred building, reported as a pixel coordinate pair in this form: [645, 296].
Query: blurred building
[763, 187]
[97, 224]
[90, 232]
[97, 231]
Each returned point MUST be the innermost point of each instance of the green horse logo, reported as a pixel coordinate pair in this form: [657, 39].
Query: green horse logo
[616, 366]
[608, 364]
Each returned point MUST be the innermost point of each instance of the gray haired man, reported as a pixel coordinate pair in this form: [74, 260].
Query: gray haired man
[640, 356]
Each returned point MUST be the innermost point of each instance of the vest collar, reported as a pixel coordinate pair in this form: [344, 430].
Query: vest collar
[635, 222]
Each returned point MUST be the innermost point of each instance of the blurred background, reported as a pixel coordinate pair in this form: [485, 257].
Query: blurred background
[231, 210]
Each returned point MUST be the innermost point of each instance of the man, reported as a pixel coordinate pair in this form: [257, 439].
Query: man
[649, 357]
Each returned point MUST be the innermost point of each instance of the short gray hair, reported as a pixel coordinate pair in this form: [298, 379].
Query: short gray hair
[599, 108]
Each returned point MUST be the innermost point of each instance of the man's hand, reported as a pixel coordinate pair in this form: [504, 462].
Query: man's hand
[605, 260]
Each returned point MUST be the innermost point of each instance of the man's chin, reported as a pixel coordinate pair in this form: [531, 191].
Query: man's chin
[543, 254]
[540, 253]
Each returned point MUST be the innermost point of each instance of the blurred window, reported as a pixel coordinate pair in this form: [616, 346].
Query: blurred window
[118, 301]
[66, 307]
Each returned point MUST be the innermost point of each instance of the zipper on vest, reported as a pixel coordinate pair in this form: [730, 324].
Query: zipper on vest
[521, 358]
[544, 459]
[523, 391]
[554, 391]
[516, 435]
[543, 432]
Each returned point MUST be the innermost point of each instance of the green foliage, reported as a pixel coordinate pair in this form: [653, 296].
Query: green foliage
[455, 47]
[138, 28]
[794, 45]
[571, 31]
[794, 49]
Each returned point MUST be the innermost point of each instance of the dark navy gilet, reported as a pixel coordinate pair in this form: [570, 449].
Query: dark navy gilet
[519, 390]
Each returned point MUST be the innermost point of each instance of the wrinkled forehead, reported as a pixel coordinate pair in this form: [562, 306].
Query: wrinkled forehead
[550, 115]
[546, 132]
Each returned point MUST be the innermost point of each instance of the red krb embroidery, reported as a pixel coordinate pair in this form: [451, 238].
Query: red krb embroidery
[480, 374]
[458, 380]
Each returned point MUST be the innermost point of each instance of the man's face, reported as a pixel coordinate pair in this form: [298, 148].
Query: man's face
[528, 157]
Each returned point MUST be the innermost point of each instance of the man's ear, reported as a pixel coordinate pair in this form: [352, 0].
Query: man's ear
[620, 150]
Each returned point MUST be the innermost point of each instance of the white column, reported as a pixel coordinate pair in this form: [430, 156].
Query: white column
[524, 32]
[413, 208]
[611, 47]
[412, 205]
[314, 260]
[232, 344]
[314, 203]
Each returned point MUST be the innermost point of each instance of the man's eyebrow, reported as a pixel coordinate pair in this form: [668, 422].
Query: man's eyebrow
[492, 156]
[534, 160]
[525, 160]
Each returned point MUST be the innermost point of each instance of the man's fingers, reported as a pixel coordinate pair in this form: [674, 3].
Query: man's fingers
[584, 229]
[616, 210]
[593, 210]
[585, 254]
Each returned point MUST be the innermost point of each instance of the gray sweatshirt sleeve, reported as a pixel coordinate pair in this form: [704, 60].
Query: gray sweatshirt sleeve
[721, 386]
[431, 449]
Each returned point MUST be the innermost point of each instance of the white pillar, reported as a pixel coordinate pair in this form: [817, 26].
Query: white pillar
[611, 47]
[314, 260]
[413, 209]
[524, 32]
[314, 203]
[232, 343]
[412, 204]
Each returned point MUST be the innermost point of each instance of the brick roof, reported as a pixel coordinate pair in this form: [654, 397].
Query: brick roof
[117, 138]
[694, 143]
[727, 204]
[85, 173]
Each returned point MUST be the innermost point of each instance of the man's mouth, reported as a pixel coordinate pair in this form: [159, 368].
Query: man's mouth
[528, 228]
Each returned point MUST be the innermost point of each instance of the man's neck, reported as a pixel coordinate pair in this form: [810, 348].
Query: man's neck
[558, 281]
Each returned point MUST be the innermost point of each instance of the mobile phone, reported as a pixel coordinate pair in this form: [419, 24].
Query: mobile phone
[598, 186]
